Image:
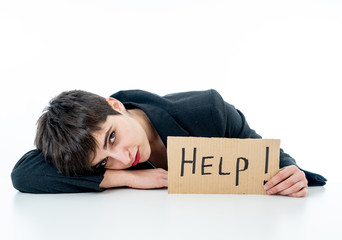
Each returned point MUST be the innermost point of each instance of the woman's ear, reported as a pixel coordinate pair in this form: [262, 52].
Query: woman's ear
[116, 105]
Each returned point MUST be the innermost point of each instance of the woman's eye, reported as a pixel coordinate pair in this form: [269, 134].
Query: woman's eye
[112, 137]
[103, 163]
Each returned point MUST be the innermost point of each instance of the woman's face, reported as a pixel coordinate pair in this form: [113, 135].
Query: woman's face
[121, 143]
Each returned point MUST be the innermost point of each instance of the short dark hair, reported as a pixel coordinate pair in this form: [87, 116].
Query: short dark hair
[64, 130]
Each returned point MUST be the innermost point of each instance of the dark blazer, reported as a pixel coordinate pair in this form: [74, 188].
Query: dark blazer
[199, 114]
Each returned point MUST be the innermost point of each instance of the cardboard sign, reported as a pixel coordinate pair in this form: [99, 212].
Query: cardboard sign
[221, 165]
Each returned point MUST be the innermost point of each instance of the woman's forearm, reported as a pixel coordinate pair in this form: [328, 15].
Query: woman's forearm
[142, 179]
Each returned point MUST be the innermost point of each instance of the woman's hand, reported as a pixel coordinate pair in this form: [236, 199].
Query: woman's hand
[289, 181]
[148, 178]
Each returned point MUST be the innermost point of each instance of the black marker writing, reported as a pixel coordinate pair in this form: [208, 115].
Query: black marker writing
[240, 170]
[220, 169]
[187, 161]
[208, 165]
[266, 161]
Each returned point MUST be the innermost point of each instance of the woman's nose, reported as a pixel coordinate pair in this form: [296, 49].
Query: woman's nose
[121, 155]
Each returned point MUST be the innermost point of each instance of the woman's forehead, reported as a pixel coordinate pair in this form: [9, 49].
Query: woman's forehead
[112, 122]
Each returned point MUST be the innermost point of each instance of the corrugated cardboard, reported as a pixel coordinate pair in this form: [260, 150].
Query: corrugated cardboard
[221, 165]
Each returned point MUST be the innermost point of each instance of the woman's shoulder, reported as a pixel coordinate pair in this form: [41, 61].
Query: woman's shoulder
[173, 101]
[139, 94]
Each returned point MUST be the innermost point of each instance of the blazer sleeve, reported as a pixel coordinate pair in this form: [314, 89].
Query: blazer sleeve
[237, 127]
[32, 174]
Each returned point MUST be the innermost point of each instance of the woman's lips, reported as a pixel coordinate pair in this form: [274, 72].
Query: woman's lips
[137, 158]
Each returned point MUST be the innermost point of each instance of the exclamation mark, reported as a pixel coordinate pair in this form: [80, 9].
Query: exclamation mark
[266, 163]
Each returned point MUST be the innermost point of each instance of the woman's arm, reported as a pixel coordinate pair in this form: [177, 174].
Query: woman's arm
[290, 180]
[32, 174]
[142, 179]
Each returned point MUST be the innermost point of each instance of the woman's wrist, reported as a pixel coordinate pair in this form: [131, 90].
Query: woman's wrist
[115, 178]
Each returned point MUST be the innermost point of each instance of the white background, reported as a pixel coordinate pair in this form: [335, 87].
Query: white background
[279, 62]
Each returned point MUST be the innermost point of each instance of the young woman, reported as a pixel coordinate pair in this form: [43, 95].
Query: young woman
[88, 143]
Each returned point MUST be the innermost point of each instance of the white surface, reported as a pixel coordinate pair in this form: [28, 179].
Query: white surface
[155, 214]
[277, 61]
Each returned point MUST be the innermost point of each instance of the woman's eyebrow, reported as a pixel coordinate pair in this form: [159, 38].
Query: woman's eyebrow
[106, 137]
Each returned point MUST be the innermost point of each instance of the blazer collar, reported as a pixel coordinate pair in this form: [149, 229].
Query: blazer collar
[162, 121]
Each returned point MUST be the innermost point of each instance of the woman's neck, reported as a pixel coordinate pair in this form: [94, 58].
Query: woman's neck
[158, 150]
